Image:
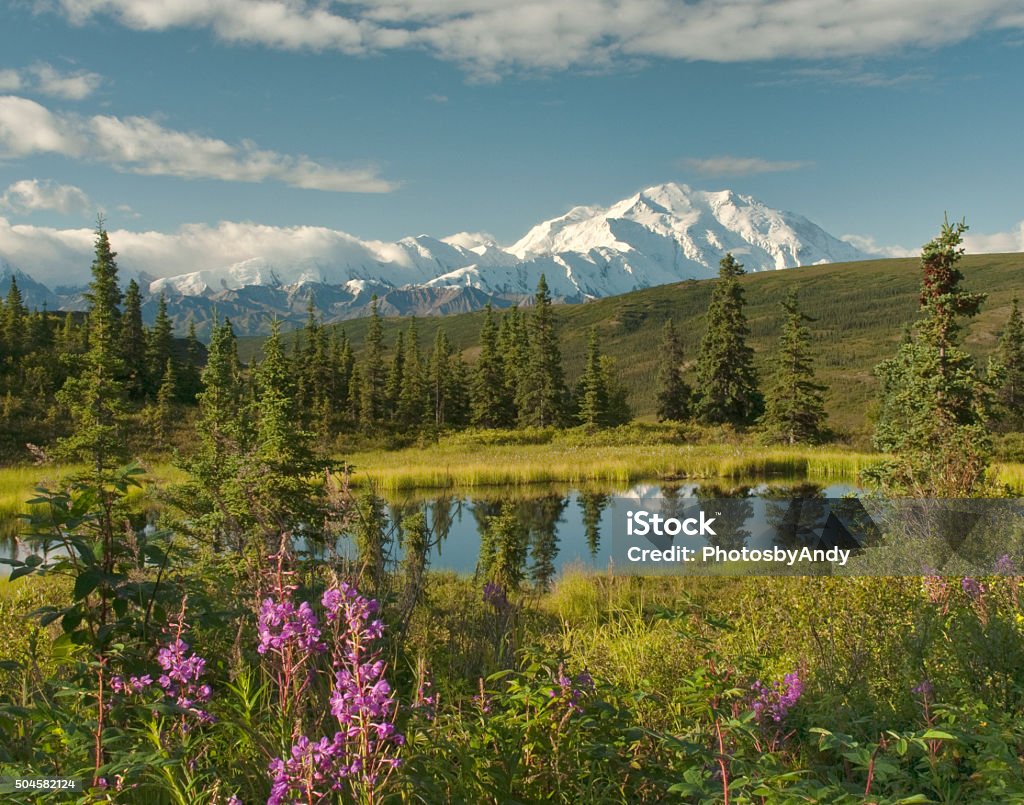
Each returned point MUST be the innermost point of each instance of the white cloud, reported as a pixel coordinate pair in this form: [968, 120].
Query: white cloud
[492, 36]
[739, 166]
[10, 81]
[1010, 241]
[470, 240]
[141, 145]
[63, 256]
[32, 195]
[46, 79]
[70, 86]
[974, 243]
[868, 245]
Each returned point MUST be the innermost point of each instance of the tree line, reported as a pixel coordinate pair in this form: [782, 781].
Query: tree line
[106, 366]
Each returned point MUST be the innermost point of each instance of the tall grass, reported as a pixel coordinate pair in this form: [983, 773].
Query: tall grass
[17, 485]
[445, 465]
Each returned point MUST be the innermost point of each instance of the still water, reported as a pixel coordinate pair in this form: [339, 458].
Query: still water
[560, 526]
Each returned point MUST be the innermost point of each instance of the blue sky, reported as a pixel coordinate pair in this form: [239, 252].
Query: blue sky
[385, 119]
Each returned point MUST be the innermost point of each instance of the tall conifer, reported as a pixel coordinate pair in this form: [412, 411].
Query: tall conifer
[95, 399]
[372, 375]
[794, 405]
[133, 341]
[1010, 360]
[413, 397]
[541, 398]
[492, 404]
[593, 394]
[934, 407]
[159, 346]
[673, 392]
[726, 380]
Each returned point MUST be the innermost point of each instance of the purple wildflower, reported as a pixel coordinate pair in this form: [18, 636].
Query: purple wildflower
[182, 669]
[483, 699]
[281, 624]
[425, 700]
[571, 691]
[1005, 566]
[361, 753]
[924, 689]
[773, 702]
[972, 587]
[310, 773]
[497, 597]
[133, 685]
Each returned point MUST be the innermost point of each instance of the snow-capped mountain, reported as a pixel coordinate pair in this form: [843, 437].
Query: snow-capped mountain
[666, 233]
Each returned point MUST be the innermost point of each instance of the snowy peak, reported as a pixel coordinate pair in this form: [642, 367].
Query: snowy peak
[663, 234]
[701, 225]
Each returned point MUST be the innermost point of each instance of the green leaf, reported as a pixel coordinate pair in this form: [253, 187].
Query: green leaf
[938, 734]
[18, 572]
[87, 582]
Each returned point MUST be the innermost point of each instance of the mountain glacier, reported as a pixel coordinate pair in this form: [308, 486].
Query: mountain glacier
[664, 234]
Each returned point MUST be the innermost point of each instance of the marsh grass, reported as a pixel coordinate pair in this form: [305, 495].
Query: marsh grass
[18, 484]
[447, 466]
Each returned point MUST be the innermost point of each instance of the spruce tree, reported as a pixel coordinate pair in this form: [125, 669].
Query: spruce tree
[189, 383]
[726, 380]
[95, 400]
[372, 374]
[164, 409]
[396, 379]
[541, 398]
[159, 346]
[104, 294]
[1010, 362]
[794, 405]
[673, 392]
[14, 315]
[934, 407]
[492, 404]
[413, 396]
[278, 489]
[593, 389]
[344, 364]
[133, 342]
[514, 347]
[446, 383]
[619, 411]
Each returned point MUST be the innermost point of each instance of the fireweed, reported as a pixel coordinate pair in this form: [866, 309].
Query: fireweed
[772, 703]
[289, 635]
[361, 755]
[181, 678]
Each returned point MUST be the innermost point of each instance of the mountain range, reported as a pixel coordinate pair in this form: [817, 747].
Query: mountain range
[664, 234]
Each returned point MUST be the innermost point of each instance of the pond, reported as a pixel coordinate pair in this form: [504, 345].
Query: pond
[559, 526]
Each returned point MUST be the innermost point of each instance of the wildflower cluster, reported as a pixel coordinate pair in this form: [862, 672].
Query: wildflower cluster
[314, 770]
[497, 597]
[360, 755]
[281, 624]
[180, 680]
[936, 589]
[773, 702]
[571, 690]
[972, 587]
[134, 685]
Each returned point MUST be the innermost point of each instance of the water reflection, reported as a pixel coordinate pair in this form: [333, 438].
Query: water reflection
[527, 535]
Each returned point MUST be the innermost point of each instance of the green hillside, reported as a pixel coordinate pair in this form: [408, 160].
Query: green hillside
[860, 311]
